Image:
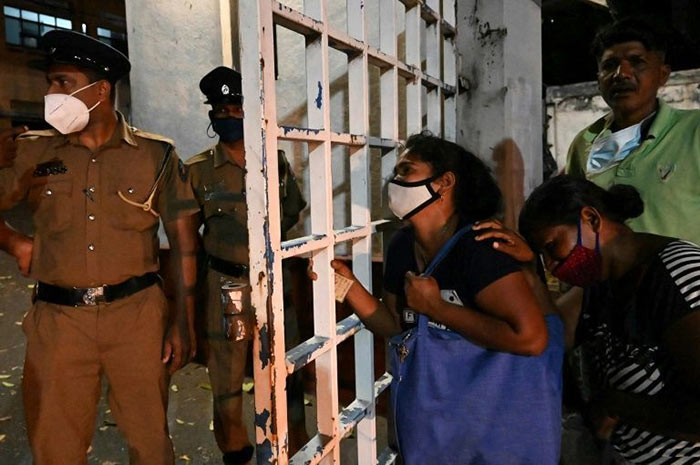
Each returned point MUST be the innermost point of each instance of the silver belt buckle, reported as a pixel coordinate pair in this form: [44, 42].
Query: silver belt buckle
[93, 295]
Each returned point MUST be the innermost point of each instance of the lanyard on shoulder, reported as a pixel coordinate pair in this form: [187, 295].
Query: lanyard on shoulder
[147, 204]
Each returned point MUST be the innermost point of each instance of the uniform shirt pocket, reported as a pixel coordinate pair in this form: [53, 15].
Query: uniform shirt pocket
[220, 203]
[52, 205]
[125, 215]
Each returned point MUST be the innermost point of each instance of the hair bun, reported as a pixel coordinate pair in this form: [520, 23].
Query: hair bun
[625, 201]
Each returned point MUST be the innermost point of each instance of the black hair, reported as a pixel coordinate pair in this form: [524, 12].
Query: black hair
[94, 75]
[560, 200]
[477, 196]
[627, 30]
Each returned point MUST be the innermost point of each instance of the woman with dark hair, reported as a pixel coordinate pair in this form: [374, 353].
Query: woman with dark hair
[638, 322]
[488, 391]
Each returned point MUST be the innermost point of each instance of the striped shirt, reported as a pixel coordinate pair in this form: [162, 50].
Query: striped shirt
[628, 354]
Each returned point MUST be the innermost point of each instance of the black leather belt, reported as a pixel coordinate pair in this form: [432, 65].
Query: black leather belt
[89, 296]
[235, 270]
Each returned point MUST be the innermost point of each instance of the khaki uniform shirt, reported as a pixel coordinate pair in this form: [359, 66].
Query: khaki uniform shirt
[85, 234]
[665, 169]
[219, 186]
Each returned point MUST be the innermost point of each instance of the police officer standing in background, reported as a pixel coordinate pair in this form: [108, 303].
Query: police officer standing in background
[218, 180]
[97, 187]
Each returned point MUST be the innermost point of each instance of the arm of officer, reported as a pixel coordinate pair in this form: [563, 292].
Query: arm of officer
[12, 190]
[180, 342]
[8, 145]
[178, 209]
[18, 245]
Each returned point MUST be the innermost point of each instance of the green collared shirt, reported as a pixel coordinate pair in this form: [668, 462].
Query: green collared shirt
[665, 169]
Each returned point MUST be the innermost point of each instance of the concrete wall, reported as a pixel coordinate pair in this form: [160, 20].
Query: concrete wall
[500, 112]
[573, 107]
[172, 44]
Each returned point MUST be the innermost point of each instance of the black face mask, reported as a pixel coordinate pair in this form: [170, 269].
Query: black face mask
[228, 129]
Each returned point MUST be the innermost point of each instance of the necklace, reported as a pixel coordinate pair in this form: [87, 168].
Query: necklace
[440, 237]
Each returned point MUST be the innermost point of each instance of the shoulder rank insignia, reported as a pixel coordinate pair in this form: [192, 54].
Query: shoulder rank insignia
[49, 168]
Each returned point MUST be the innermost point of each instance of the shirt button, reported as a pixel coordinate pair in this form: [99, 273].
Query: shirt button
[130, 190]
[91, 247]
[91, 217]
[49, 192]
[91, 189]
[94, 160]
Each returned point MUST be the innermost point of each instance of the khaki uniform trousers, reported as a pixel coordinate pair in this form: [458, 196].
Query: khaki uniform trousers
[226, 362]
[69, 349]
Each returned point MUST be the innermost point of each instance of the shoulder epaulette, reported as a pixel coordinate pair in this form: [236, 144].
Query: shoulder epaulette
[200, 157]
[149, 135]
[33, 135]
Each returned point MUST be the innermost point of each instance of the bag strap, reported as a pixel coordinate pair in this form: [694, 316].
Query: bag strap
[445, 249]
[439, 257]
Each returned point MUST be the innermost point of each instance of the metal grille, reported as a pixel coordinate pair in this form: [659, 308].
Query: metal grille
[432, 84]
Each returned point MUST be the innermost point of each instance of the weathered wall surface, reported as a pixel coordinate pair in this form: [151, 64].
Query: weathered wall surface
[172, 44]
[573, 107]
[500, 112]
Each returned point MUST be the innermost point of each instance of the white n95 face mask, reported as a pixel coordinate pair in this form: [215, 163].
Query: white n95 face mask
[66, 113]
[408, 198]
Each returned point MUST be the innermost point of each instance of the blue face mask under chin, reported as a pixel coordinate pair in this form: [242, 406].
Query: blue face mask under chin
[228, 129]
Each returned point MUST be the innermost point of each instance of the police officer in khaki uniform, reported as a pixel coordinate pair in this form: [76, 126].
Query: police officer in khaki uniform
[97, 188]
[217, 176]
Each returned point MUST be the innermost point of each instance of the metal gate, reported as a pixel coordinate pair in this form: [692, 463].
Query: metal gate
[432, 84]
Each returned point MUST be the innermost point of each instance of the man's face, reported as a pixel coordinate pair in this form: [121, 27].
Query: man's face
[226, 110]
[629, 77]
[66, 79]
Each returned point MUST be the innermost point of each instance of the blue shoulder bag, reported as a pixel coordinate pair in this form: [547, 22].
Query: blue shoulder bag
[457, 403]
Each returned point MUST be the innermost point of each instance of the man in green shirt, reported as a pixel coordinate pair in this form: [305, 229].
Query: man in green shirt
[643, 142]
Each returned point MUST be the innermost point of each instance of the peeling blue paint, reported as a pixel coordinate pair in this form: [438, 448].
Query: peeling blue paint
[264, 346]
[346, 325]
[296, 243]
[319, 97]
[352, 415]
[308, 352]
[287, 129]
[261, 420]
[263, 452]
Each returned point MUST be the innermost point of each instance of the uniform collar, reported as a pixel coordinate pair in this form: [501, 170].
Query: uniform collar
[125, 131]
[664, 114]
[122, 132]
[220, 157]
